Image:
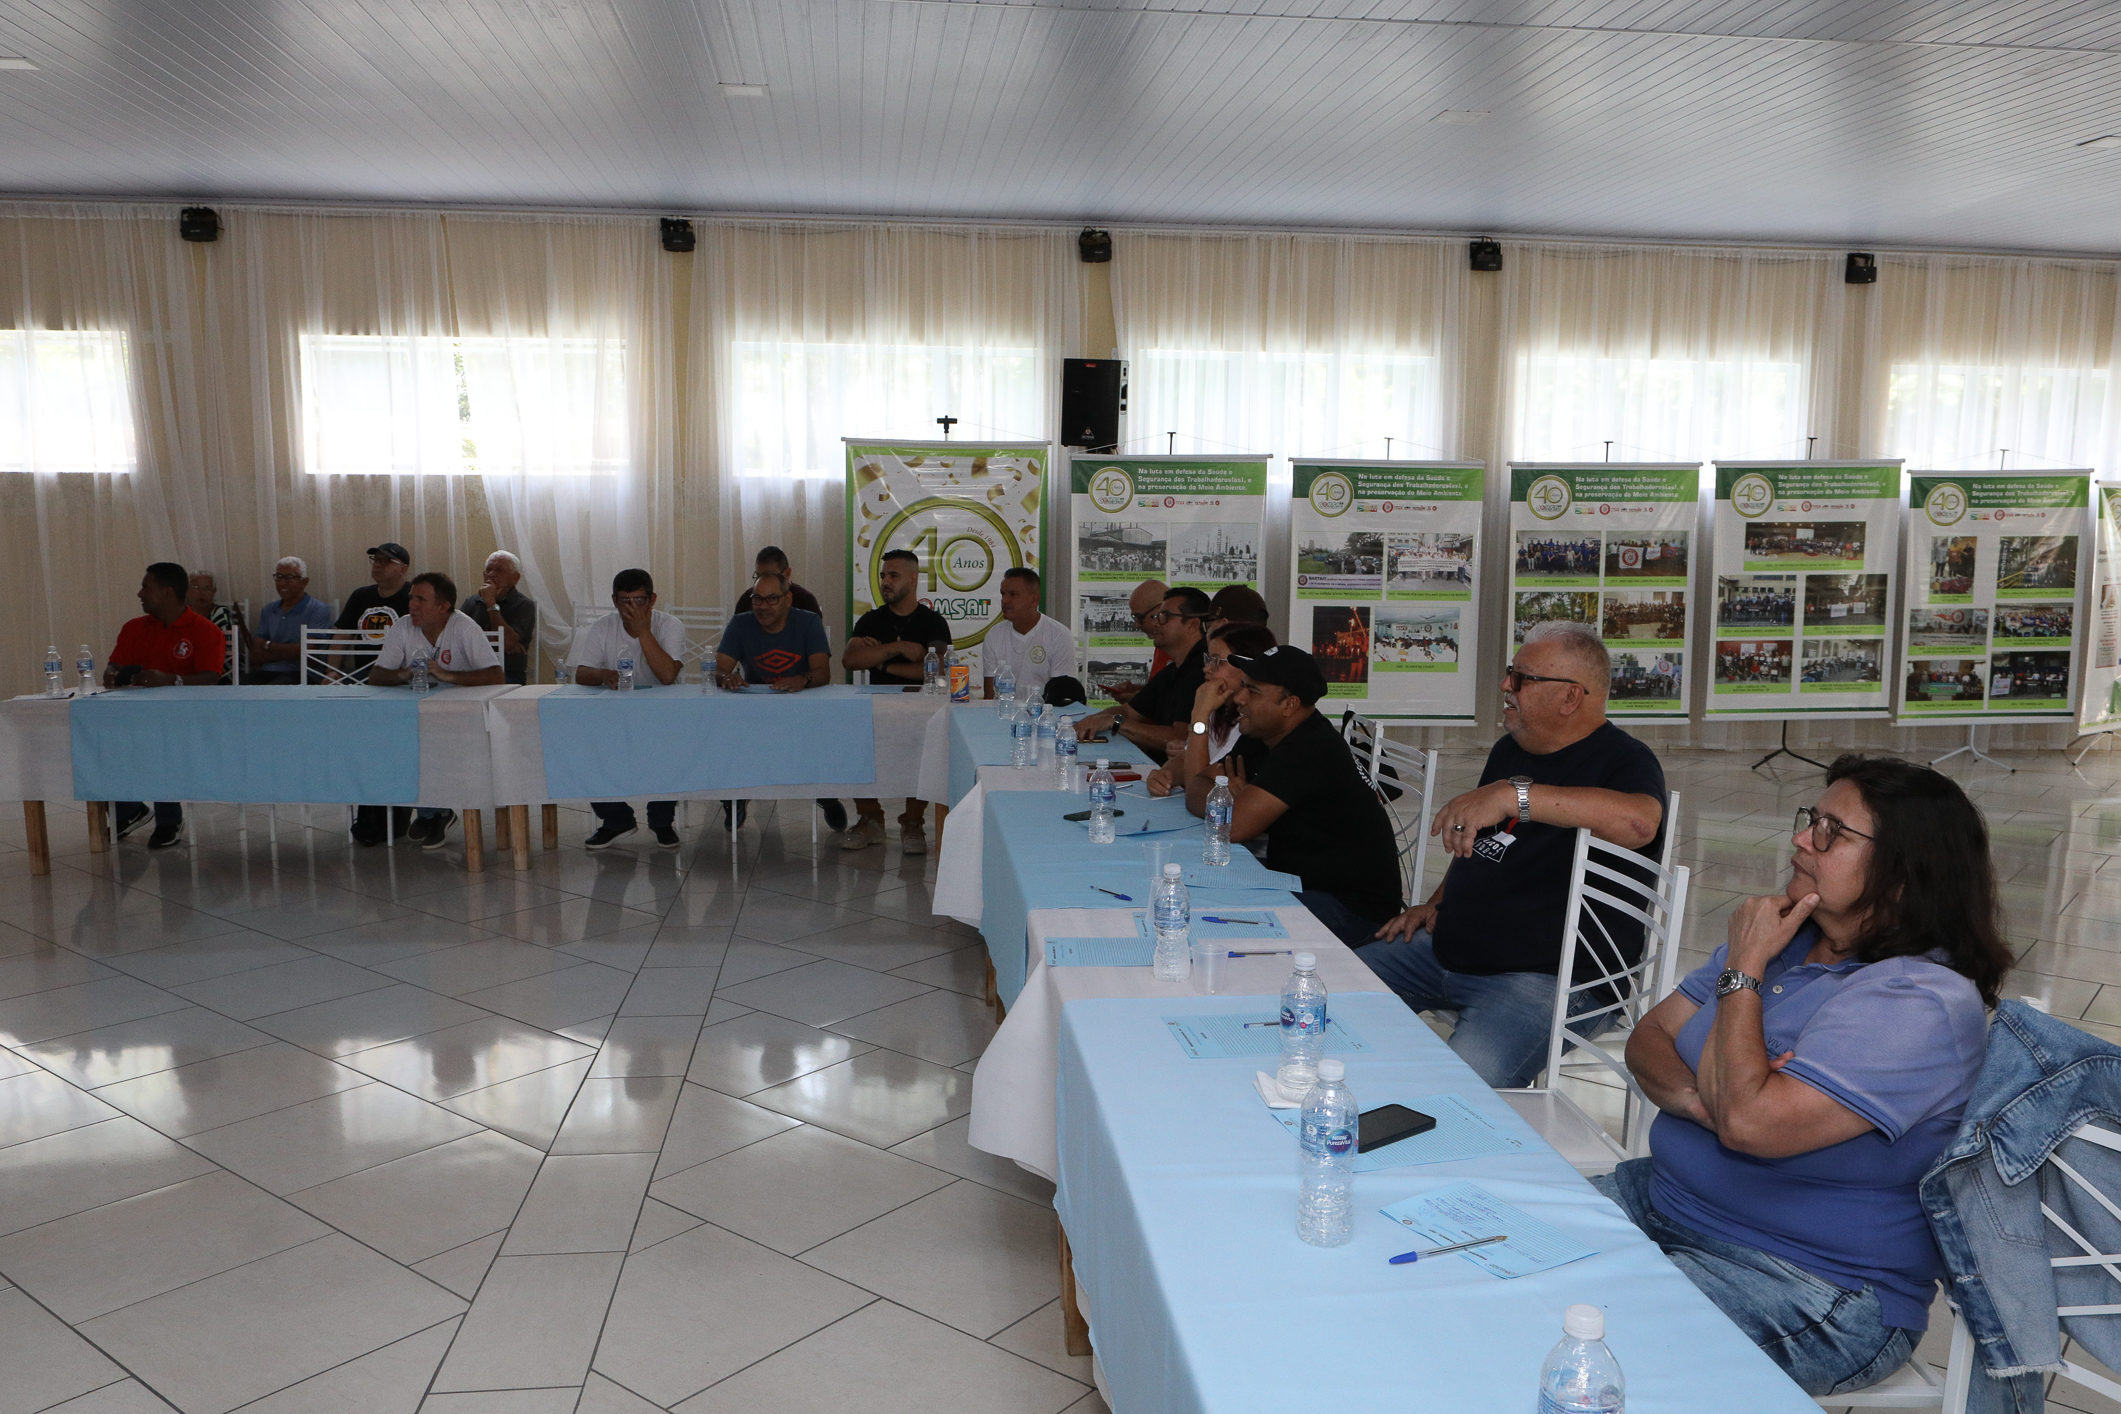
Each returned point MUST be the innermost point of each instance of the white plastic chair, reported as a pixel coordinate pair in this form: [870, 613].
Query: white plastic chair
[1415, 775]
[343, 656]
[1921, 1385]
[1658, 902]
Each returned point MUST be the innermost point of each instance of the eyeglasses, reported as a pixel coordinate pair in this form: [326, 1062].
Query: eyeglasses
[1825, 829]
[1213, 661]
[633, 600]
[1514, 679]
[1162, 616]
[287, 576]
[758, 598]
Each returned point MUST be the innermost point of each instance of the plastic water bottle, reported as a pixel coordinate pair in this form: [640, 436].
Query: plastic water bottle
[1221, 806]
[1042, 731]
[1325, 1138]
[1581, 1376]
[1023, 737]
[1303, 1027]
[1064, 752]
[1173, 912]
[53, 686]
[1102, 790]
[561, 677]
[932, 674]
[1004, 691]
[420, 684]
[85, 669]
[626, 674]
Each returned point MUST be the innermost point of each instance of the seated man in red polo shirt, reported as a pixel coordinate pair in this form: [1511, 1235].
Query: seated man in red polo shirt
[167, 646]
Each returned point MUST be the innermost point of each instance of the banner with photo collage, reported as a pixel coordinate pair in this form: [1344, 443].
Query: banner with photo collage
[1384, 585]
[969, 510]
[2099, 699]
[1610, 544]
[1994, 561]
[1196, 522]
[1806, 588]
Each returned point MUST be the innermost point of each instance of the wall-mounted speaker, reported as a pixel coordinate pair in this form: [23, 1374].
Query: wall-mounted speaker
[678, 237]
[199, 223]
[1093, 397]
[1862, 269]
[1485, 255]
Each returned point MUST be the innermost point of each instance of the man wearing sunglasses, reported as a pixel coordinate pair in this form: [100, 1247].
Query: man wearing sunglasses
[1488, 941]
[1157, 715]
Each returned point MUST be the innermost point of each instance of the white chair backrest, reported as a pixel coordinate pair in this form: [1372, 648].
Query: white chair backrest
[2088, 1255]
[1413, 774]
[340, 656]
[703, 630]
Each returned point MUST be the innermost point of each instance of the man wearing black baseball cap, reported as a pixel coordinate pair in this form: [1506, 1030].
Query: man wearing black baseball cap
[1322, 820]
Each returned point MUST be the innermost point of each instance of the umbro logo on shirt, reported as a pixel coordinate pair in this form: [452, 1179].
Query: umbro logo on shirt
[778, 662]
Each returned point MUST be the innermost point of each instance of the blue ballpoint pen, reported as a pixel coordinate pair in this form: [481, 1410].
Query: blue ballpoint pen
[1103, 890]
[1248, 922]
[1405, 1257]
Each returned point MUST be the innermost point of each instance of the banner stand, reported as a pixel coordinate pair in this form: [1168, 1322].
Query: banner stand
[1786, 750]
[1978, 753]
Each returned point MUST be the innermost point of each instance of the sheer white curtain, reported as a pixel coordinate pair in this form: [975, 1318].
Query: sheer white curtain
[804, 333]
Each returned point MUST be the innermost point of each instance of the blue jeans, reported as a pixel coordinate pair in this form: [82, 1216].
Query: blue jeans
[1502, 1020]
[661, 813]
[1340, 920]
[1829, 1340]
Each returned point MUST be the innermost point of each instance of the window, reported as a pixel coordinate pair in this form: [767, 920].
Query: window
[794, 402]
[1939, 415]
[381, 405]
[1658, 409]
[1295, 404]
[65, 402]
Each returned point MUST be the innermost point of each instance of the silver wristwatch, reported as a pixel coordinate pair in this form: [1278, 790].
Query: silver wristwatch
[1524, 798]
[1200, 729]
[1732, 980]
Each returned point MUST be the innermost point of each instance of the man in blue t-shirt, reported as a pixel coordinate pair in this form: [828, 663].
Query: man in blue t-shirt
[1487, 943]
[775, 645]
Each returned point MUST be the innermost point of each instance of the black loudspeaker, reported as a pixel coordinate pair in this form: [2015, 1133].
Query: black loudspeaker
[1094, 246]
[1862, 269]
[678, 237]
[1486, 255]
[1093, 395]
[199, 223]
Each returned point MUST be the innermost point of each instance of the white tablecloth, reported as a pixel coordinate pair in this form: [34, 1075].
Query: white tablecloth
[958, 893]
[1013, 1088]
[903, 741]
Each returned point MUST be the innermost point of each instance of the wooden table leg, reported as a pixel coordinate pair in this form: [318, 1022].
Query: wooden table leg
[549, 817]
[98, 827]
[501, 841]
[942, 813]
[1074, 1329]
[475, 842]
[40, 843]
[994, 993]
[519, 834]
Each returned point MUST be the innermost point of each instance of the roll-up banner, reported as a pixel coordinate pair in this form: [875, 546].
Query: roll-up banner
[1805, 557]
[1385, 587]
[1188, 521]
[1610, 544]
[969, 510]
[2099, 701]
[1993, 565]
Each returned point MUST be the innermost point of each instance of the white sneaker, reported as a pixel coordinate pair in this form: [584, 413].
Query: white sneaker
[861, 834]
[913, 844]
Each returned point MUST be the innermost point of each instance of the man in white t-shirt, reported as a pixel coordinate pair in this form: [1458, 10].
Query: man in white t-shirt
[457, 653]
[656, 643]
[1035, 647]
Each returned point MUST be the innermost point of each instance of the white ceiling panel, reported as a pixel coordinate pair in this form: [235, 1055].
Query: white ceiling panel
[1806, 120]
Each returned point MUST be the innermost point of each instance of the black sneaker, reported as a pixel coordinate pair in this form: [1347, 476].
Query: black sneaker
[666, 838]
[835, 815]
[416, 832]
[167, 838]
[434, 833]
[133, 819]
[733, 815]
[608, 835]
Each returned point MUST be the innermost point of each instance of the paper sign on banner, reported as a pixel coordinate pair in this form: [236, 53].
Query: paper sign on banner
[1188, 521]
[1610, 544]
[1993, 565]
[1806, 588]
[1385, 587]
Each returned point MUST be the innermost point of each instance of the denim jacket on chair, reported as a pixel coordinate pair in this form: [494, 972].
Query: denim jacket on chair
[2040, 1080]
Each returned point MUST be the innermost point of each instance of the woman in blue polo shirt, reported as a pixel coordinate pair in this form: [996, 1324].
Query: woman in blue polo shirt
[1813, 1070]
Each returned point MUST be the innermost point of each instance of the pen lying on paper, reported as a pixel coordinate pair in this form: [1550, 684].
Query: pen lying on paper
[1250, 1025]
[1248, 922]
[1416, 1256]
[1103, 890]
[1259, 952]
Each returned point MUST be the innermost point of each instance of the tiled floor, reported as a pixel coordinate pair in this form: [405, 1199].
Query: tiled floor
[291, 1126]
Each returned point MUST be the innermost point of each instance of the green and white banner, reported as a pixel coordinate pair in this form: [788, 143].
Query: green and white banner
[1188, 521]
[1994, 561]
[2099, 704]
[1805, 556]
[1384, 591]
[969, 510]
[1611, 544]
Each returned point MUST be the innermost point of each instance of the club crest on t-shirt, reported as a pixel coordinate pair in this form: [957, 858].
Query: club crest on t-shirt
[1492, 847]
[444, 656]
[376, 622]
[778, 662]
[1037, 653]
[182, 648]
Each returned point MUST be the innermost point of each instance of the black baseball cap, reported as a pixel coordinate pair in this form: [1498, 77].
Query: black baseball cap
[391, 549]
[1290, 669]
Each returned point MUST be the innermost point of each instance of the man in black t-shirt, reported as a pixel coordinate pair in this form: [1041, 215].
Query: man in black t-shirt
[1488, 941]
[1322, 820]
[892, 642]
[774, 560]
[373, 608]
[1157, 715]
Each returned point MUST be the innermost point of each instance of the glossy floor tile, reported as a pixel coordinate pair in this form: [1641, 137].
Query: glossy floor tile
[297, 1126]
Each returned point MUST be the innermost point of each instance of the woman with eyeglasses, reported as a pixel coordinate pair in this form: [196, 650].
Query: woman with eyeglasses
[1212, 744]
[1812, 1071]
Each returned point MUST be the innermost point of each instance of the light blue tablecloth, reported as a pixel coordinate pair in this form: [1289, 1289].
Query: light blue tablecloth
[605, 745]
[1032, 858]
[977, 738]
[322, 745]
[1180, 1204]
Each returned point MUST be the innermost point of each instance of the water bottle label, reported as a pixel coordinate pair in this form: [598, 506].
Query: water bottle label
[1548, 1405]
[1302, 1020]
[1218, 815]
[1336, 1142]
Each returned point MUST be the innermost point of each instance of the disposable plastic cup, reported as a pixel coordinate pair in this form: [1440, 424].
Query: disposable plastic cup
[1209, 962]
[1156, 854]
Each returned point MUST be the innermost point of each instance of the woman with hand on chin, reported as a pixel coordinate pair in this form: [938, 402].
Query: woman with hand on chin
[1212, 744]
[1815, 1067]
